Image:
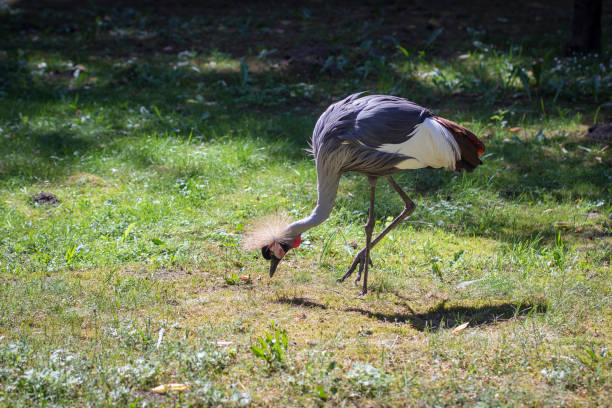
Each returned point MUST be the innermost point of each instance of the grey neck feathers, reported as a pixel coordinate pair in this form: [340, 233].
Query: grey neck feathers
[327, 187]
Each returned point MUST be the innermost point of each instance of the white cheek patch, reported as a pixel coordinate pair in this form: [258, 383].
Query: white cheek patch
[277, 250]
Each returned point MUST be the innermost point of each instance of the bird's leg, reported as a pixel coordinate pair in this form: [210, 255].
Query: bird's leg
[409, 207]
[363, 257]
[369, 228]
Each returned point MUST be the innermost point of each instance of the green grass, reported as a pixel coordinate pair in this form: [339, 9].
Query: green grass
[185, 125]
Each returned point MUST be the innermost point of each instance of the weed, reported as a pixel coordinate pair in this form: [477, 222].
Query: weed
[232, 279]
[272, 347]
[367, 379]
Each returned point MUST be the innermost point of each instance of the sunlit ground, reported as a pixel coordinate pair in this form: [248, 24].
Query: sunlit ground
[163, 139]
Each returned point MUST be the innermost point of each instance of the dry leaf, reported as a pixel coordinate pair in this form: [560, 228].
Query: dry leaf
[460, 327]
[546, 211]
[224, 343]
[579, 229]
[514, 129]
[562, 224]
[245, 278]
[164, 388]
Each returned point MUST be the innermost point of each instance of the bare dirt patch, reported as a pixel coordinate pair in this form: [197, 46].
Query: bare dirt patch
[44, 198]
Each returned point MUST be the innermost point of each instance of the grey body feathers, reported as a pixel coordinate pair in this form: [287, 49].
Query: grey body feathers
[347, 134]
[350, 136]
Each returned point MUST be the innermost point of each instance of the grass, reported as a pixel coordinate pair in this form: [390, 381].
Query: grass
[183, 124]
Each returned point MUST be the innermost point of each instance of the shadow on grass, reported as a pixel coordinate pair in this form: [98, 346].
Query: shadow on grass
[442, 316]
[43, 155]
[300, 301]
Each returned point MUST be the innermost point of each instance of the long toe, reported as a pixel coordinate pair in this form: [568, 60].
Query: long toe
[361, 267]
[359, 260]
[348, 273]
[361, 255]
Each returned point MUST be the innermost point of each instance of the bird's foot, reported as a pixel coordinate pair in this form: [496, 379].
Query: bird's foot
[359, 260]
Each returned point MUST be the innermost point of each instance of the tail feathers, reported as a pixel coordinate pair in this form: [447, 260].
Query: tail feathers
[470, 146]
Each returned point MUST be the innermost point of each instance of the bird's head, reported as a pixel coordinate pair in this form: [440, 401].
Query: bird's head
[272, 236]
[275, 251]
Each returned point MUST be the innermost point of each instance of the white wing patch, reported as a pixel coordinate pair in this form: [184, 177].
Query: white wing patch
[431, 145]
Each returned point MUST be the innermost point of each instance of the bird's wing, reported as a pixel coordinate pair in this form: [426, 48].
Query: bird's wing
[382, 120]
[406, 134]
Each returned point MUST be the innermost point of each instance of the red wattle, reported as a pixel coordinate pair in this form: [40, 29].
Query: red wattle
[296, 242]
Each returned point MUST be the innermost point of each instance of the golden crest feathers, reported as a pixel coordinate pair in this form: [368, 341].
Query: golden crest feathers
[267, 230]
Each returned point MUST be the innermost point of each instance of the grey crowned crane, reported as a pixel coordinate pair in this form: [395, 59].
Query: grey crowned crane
[377, 136]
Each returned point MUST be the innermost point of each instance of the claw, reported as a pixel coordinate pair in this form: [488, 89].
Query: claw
[357, 261]
[348, 273]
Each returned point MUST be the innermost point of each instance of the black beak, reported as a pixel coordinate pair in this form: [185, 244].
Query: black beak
[273, 264]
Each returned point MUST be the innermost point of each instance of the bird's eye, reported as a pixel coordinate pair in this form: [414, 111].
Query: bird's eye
[265, 252]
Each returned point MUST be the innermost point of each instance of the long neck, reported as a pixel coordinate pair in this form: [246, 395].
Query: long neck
[327, 187]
